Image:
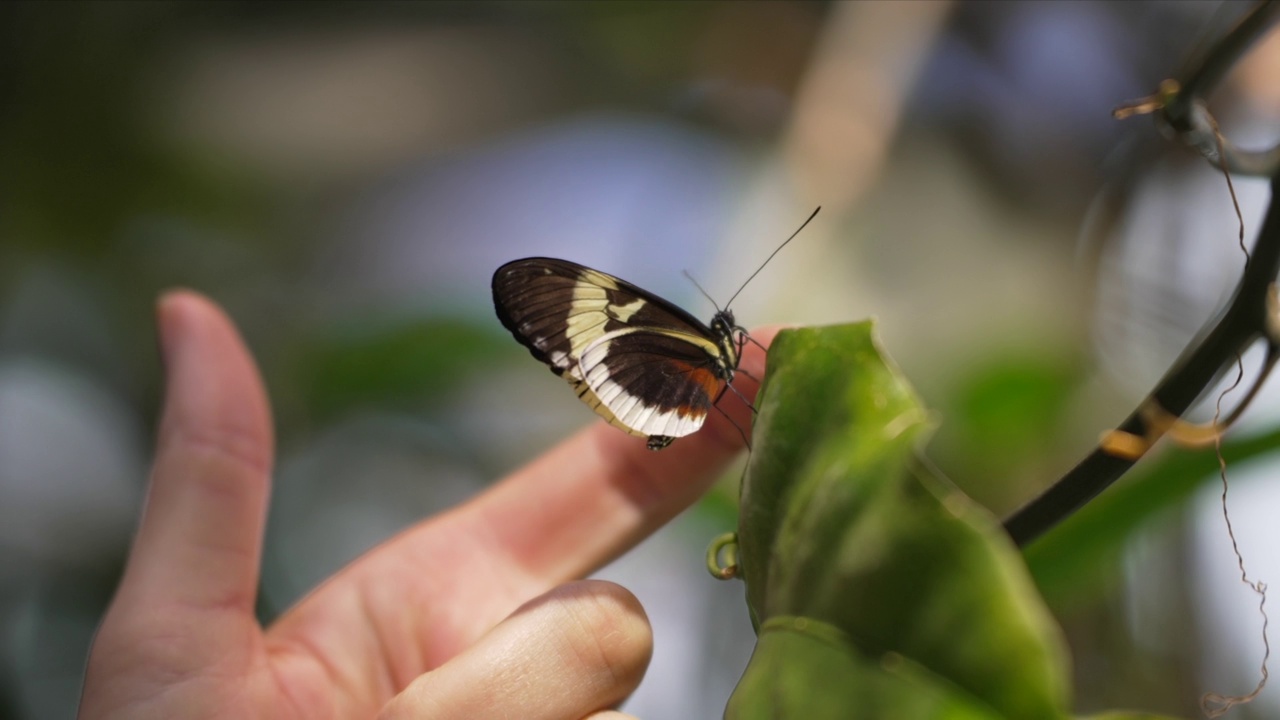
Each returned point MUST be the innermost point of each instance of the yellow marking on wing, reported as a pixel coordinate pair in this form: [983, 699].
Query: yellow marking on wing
[587, 312]
[597, 278]
[623, 313]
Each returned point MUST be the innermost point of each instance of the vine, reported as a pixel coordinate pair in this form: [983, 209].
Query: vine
[1252, 314]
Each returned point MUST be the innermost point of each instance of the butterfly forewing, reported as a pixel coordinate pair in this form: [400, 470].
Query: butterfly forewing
[639, 361]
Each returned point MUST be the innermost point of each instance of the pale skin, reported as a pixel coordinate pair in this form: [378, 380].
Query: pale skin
[479, 612]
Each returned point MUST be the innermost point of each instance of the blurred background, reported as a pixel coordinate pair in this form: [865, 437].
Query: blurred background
[345, 177]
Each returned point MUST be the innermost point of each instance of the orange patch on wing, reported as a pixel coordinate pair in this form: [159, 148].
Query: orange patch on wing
[710, 384]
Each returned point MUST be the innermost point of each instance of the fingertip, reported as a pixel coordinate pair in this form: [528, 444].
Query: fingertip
[213, 388]
[169, 322]
[180, 312]
[571, 652]
[618, 623]
[200, 534]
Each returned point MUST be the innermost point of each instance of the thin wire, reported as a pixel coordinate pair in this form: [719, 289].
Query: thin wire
[1231, 188]
[1213, 704]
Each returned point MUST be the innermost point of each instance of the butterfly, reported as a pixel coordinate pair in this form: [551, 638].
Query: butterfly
[641, 362]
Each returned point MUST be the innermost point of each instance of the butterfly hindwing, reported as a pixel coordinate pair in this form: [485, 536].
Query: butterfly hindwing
[639, 361]
[654, 381]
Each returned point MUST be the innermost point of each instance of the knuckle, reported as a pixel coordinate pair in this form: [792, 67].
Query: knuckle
[228, 442]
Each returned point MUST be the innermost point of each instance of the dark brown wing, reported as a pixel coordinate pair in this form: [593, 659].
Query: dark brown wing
[556, 308]
[642, 363]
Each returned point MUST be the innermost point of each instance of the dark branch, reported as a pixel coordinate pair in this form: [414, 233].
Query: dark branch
[1244, 320]
[1203, 77]
[1202, 136]
[1185, 117]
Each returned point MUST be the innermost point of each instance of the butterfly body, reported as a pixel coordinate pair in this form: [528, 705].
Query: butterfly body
[640, 362]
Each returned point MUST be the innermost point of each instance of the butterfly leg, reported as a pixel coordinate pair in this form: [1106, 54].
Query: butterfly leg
[736, 391]
[742, 433]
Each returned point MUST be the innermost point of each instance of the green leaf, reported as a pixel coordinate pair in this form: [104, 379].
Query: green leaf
[808, 670]
[878, 589]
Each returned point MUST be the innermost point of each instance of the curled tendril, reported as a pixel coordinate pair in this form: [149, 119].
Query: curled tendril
[722, 557]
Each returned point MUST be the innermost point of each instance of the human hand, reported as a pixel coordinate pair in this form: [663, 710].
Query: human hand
[473, 613]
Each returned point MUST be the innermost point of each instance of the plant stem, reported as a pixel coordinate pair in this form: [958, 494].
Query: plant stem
[1244, 320]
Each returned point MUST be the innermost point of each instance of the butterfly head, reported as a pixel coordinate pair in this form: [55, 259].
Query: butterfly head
[730, 337]
[723, 323]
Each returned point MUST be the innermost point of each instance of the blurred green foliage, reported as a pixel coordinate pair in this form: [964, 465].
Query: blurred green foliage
[1004, 420]
[396, 367]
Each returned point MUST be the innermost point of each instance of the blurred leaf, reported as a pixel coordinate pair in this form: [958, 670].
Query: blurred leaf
[1008, 403]
[400, 366]
[82, 156]
[619, 36]
[879, 590]
[1004, 420]
[1070, 561]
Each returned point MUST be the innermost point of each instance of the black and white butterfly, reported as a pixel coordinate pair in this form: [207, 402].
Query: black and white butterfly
[642, 363]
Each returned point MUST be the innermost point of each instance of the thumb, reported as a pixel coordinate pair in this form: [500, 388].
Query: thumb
[574, 651]
[200, 537]
[186, 599]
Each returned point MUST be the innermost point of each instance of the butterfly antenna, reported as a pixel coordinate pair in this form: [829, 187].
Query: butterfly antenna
[705, 294]
[775, 252]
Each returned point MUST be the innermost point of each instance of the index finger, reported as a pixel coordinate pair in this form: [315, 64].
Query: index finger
[559, 518]
[599, 493]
